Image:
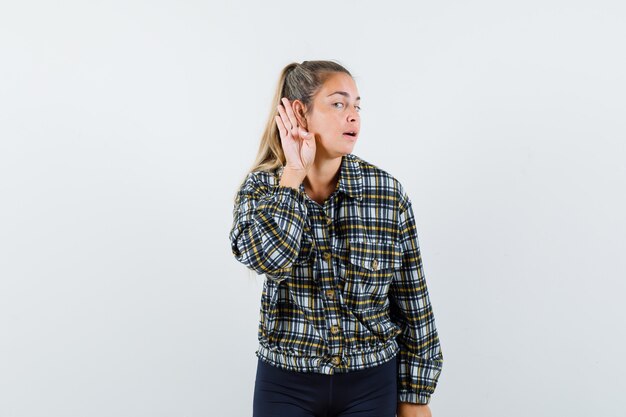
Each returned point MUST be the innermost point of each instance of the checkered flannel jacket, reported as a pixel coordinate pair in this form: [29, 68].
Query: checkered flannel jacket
[345, 287]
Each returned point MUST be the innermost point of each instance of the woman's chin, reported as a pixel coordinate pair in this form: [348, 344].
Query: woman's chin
[345, 150]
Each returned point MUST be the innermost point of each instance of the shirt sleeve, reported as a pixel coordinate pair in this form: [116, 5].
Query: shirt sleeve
[268, 222]
[420, 358]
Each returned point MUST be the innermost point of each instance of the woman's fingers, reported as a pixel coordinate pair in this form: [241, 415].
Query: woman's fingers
[281, 127]
[285, 118]
[290, 113]
[287, 122]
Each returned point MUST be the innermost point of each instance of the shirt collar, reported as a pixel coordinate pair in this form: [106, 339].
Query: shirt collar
[350, 177]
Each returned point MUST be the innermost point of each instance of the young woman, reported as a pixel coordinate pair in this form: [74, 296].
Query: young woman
[346, 325]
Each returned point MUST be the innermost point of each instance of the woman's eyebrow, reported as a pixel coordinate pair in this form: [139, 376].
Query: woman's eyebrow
[343, 93]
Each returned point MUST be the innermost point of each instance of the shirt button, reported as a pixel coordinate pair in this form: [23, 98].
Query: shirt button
[375, 264]
[334, 329]
[327, 256]
[336, 360]
[330, 294]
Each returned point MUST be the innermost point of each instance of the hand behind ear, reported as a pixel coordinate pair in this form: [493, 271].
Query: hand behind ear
[298, 144]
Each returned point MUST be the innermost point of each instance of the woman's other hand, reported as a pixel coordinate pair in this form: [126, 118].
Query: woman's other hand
[298, 144]
[413, 410]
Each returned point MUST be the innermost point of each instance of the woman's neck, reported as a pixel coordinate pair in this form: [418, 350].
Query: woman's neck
[322, 177]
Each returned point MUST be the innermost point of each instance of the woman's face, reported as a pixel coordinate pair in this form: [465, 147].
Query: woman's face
[335, 112]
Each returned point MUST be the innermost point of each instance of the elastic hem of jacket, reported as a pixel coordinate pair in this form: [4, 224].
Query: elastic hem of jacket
[321, 364]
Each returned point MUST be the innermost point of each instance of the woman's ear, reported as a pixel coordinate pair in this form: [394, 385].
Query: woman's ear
[299, 110]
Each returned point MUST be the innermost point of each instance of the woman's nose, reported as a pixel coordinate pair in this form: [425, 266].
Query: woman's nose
[354, 115]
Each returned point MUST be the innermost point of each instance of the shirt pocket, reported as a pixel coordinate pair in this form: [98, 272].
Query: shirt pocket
[367, 271]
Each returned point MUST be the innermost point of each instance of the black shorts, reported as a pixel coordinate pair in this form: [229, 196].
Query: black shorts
[370, 392]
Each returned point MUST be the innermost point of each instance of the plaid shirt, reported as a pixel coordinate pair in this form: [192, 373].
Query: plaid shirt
[344, 288]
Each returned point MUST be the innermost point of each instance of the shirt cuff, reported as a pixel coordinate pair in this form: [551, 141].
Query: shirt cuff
[285, 196]
[414, 397]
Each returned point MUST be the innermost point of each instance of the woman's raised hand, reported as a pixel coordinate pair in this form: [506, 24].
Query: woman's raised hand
[298, 144]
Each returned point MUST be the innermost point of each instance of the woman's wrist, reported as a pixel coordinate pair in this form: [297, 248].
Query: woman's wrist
[292, 178]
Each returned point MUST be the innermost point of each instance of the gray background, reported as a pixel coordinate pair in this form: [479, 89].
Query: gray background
[125, 127]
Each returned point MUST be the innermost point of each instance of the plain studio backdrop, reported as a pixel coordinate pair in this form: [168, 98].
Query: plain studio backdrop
[126, 126]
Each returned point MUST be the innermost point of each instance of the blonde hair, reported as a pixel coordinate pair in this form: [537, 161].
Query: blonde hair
[296, 82]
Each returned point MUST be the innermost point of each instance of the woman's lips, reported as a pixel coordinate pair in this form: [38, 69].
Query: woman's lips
[345, 135]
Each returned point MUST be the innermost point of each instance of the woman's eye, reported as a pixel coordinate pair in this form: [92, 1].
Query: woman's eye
[358, 107]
